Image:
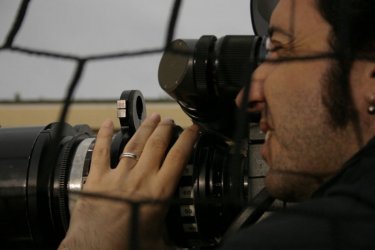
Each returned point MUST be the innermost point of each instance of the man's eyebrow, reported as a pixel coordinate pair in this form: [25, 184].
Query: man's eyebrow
[276, 29]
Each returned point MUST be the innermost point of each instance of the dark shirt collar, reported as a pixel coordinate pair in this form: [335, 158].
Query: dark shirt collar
[351, 169]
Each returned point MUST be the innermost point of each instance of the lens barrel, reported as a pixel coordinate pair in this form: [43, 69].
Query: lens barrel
[34, 211]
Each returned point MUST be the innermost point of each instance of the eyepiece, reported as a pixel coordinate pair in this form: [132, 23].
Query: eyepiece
[205, 75]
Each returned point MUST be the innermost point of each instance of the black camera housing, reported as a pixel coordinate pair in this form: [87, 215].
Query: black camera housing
[41, 172]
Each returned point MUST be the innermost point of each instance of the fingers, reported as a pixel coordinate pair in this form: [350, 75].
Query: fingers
[101, 154]
[156, 146]
[151, 143]
[138, 140]
[177, 158]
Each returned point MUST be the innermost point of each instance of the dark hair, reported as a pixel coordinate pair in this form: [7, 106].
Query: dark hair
[353, 36]
[352, 23]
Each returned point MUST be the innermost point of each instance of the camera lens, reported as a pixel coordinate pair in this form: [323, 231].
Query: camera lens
[34, 211]
[216, 67]
[205, 75]
[41, 172]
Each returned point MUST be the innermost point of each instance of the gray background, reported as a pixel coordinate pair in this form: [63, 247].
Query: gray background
[87, 27]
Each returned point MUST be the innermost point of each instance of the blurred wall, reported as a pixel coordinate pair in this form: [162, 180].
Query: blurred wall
[92, 114]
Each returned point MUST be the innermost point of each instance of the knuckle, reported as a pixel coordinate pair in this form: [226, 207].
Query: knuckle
[158, 142]
[133, 146]
[100, 152]
[147, 126]
[162, 192]
[176, 154]
[132, 191]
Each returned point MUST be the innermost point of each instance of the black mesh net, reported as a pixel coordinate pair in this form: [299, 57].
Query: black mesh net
[341, 53]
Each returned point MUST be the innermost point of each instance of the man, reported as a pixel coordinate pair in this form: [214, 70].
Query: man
[319, 120]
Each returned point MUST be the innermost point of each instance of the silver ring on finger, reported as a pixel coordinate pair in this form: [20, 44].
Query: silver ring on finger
[128, 155]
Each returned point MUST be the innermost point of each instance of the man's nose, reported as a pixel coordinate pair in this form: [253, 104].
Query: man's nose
[253, 101]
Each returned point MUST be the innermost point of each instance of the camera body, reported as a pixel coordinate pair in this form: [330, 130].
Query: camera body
[42, 172]
[204, 76]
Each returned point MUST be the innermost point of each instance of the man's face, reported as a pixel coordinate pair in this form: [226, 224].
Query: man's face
[302, 148]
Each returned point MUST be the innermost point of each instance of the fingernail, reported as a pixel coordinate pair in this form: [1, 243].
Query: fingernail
[107, 124]
[155, 117]
[194, 127]
[168, 121]
[195, 130]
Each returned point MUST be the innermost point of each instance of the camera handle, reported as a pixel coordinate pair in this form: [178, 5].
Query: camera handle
[131, 111]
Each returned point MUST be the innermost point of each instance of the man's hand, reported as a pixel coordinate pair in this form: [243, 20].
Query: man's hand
[106, 224]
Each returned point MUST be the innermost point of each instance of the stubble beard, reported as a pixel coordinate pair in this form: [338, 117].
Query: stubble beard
[297, 184]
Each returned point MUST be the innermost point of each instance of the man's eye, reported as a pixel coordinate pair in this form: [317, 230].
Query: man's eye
[271, 47]
[274, 49]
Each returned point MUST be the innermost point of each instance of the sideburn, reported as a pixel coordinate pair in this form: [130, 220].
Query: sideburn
[337, 97]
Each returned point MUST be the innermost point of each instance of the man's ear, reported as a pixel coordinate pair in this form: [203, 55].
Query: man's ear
[371, 88]
[370, 75]
[363, 78]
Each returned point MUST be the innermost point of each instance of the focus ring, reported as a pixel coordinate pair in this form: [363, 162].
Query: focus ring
[202, 67]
